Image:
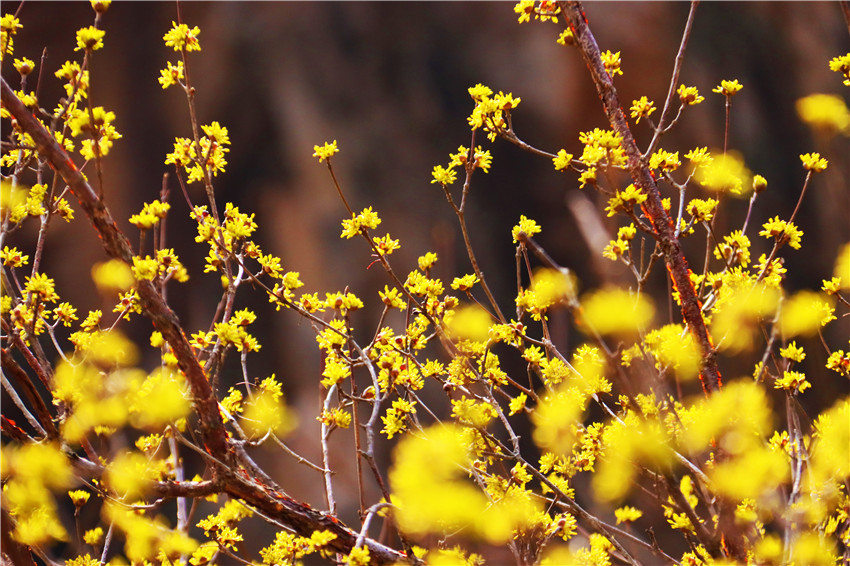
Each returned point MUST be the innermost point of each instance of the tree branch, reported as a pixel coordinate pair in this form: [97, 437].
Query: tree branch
[235, 480]
[677, 265]
[117, 246]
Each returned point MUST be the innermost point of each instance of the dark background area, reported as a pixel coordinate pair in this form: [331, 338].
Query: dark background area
[389, 82]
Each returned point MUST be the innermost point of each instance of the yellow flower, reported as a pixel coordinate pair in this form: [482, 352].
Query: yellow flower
[627, 514]
[792, 352]
[759, 184]
[813, 162]
[171, 75]
[93, 537]
[824, 112]
[9, 26]
[784, 232]
[13, 258]
[42, 287]
[792, 381]
[525, 8]
[615, 311]
[473, 413]
[517, 403]
[392, 298]
[664, 160]
[701, 210]
[839, 361]
[588, 176]
[395, 420]
[385, 245]
[526, 226]
[562, 160]
[482, 158]
[699, 156]
[805, 313]
[24, 66]
[181, 38]
[725, 173]
[735, 249]
[566, 37]
[89, 39]
[625, 200]
[728, 88]
[689, 95]
[464, 283]
[100, 6]
[832, 286]
[612, 63]
[443, 176]
[841, 65]
[641, 108]
[325, 151]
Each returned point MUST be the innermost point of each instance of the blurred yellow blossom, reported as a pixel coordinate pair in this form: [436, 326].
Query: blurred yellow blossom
[826, 113]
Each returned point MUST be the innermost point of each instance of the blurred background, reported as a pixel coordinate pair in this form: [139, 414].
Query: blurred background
[389, 82]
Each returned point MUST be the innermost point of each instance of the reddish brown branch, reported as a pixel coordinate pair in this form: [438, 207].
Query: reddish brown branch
[117, 246]
[11, 367]
[304, 520]
[664, 231]
[275, 505]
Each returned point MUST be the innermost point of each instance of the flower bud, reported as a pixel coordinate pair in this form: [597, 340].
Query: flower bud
[759, 184]
[100, 6]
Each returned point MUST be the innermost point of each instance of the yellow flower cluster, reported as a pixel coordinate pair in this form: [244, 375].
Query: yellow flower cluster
[491, 112]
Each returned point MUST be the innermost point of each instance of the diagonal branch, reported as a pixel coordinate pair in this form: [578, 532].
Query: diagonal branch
[235, 481]
[677, 265]
[117, 246]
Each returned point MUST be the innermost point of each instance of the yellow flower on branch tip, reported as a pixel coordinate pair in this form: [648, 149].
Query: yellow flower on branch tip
[171, 75]
[792, 352]
[525, 8]
[641, 108]
[728, 88]
[627, 514]
[396, 418]
[813, 162]
[625, 200]
[24, 66]
[664, 160]
[465, 283]
[526, 226]
[100, 6]
[841, 64]
[89, 39]
[10, 24]
[482, 158]
[181, 38]
[325, 151]
[13, 257]
[443, 176]
[784, 232]
[735, 249]
[427, 261]
[689, 95]
[566, 38]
